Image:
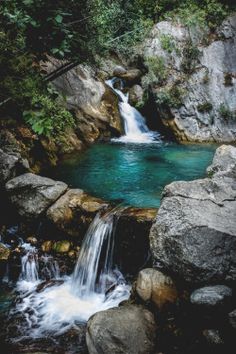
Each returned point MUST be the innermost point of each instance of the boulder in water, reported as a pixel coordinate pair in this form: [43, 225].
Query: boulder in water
[74, 211]
[217, 296]
[126, 329]
[152, 285]
[32, 195]
[194, 234]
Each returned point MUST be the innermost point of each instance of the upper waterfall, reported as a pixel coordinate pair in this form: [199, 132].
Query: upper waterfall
[136, 130]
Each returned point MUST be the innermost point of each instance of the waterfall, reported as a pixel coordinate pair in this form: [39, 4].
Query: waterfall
[95, 285]
[136, 130]
[89, 276]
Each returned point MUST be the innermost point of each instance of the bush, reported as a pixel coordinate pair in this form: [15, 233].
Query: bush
[170, 97]
[48, 117]
[226, 113]
[204, 107]
[190, 57]
[157, 71]
[167, 43]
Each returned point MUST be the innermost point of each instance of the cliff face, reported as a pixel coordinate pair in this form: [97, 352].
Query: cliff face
[195, 93]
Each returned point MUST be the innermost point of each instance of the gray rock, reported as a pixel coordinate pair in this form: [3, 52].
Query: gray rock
[232, 318]
[32, 195]
[212, 80]
[212, 296]
[194, 234]
[119, 70]
[11, 165]
[224, 162]
[124, 330]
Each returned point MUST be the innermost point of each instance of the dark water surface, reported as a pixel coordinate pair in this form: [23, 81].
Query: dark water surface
[134, 174]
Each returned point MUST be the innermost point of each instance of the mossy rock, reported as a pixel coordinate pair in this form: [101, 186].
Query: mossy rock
[4, 253]
[61, 246]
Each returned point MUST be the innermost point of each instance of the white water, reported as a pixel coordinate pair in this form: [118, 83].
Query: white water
[94, 286]
[136, 130]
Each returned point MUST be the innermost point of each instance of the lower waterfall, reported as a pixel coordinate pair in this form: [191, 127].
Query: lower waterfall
[95, 285]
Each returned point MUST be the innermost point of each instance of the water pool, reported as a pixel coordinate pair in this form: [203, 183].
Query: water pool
[134, 174]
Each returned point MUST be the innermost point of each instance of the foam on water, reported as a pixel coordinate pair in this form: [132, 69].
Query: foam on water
[95, 285]
[136, 130]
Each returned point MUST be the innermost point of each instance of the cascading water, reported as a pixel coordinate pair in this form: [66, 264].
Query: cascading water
[136, 130]
[94, 286]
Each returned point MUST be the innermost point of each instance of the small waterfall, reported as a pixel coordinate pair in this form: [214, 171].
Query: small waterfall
[136, 130]
[95, 285]
[89, 276]
[29, 264]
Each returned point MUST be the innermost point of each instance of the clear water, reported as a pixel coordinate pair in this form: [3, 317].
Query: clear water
[134, 174]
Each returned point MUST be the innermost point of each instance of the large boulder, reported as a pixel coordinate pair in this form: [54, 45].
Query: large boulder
[32, 195]
[156, 287]
[74, 211]
[11, 165]
[196, 98]
[126, 329]
[194, 234]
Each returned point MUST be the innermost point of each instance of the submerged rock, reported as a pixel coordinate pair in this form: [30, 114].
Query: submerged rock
[154, 286]
[74, 211]
[31, 195]
[212, 296]
[194, 235]
[127, 329]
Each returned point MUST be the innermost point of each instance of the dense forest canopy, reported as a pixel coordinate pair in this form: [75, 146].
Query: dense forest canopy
[78, 31]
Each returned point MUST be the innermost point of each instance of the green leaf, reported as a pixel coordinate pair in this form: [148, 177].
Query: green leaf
[59, 19]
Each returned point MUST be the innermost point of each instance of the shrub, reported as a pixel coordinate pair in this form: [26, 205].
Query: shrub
[190, 57]
[228, 79]
[170, 97]
[204, 107]
[225, 112]
[157, 71]
[167, 43]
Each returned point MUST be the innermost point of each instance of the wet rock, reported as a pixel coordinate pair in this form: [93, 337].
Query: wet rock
[154, 286]
[218, 296]
[127, 329]
[136, 94]
[47, 246]
[132, 239]
[232, 318]
[194, 233]
[4, 252]
[74, 211]
[11, 165]
[47, 284]
[32, 240]
[61, 246]
[31, 195]
[119, 70]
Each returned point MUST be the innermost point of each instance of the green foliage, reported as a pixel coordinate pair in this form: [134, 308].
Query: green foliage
[226, 113]
[228, 79]
[48, 117]
[157, 71]
[190, 57]
[170, 97]
[167, 43]
[204, 107]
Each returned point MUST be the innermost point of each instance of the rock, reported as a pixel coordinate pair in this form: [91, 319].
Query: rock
[232, 318]
[32, 195]
[213, 336]
[154, 286]
[131, 76]
[136, 94]
[206, 84]
[11, 165]
[212, 296]
[132, 235]
[47, 246]
[4, 252]
[61, 246]
[32, 240]
[119, 70]
[194, 234]
[74, 211]
[127, 329]
[224, 162]
[95, 105]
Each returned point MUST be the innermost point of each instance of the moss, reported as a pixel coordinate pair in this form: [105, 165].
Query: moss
[228, 79]
[204, 107]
